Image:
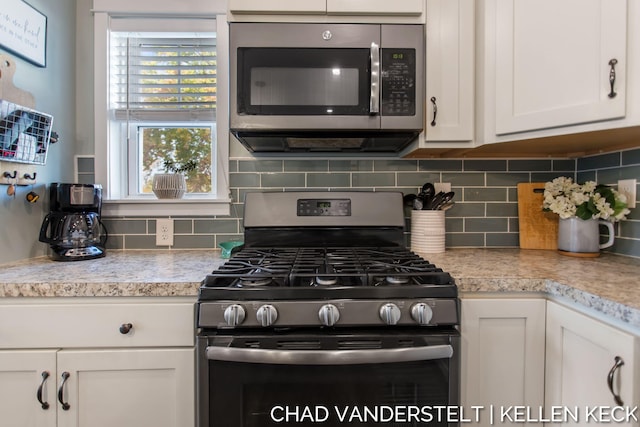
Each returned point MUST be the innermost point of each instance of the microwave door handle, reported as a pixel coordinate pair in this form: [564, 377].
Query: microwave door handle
[329, 357]
[374, 99]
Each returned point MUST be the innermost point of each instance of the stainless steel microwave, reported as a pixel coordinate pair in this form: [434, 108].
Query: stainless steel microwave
[326, 87]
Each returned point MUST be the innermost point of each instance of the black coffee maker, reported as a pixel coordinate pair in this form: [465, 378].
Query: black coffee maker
[73, 227]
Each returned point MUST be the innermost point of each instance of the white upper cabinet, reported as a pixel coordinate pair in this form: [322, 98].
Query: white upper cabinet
[450, 70]
[559, 62]
[344, 7]
[364, 7]
[279, 6]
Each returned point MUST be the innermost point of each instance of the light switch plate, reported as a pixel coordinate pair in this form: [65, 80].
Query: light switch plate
[628, 188]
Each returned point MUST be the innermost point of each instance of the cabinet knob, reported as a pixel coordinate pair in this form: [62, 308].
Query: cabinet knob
[125, 328]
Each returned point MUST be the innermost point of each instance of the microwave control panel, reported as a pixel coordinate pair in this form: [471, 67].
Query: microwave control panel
[398, 82]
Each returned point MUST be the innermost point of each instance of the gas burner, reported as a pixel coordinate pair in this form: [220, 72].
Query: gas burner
[325, 280]
[391, 280]
[254, 281]
[397, 280]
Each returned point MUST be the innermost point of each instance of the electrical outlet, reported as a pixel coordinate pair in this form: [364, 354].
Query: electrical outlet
[164, 232]
[628, 188]
[445, 187]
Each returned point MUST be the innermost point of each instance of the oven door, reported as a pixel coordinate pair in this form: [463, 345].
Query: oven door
[333, 379]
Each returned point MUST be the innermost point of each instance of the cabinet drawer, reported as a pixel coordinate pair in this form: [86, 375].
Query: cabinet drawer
[96, 325]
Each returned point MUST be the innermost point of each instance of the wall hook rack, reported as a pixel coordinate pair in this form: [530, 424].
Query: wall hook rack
[30, 177]
[9, 175]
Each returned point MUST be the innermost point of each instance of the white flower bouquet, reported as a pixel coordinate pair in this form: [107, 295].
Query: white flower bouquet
[585, 201]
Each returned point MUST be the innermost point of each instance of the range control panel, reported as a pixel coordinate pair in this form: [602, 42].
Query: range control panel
[324, 207]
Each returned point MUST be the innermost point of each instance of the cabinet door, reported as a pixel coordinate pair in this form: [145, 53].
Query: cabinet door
[553, 62]
[502, 353]
[374, 7]
[128, 388]
[21, 376]
[450, 70]
[279, 6]
[581, 352]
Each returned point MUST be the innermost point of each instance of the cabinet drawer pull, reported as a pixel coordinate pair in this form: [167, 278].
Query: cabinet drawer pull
[612, 76]
[65, 405]
[125, 328]
[618, 362]
[45, 405]
[435, 110]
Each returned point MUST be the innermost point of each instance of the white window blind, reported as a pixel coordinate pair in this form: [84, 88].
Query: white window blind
[156, 76]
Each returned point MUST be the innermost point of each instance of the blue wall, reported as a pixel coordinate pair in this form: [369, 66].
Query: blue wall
[53, 88]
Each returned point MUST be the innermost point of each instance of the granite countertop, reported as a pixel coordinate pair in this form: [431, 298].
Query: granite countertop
[610, 284]
[119, 273]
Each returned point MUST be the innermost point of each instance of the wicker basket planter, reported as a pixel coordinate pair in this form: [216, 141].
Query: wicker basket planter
[169, 185]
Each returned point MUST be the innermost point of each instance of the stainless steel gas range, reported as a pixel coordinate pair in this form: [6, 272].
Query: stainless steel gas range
[325, 317]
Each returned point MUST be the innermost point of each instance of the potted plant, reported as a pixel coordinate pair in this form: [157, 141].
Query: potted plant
[172, 184]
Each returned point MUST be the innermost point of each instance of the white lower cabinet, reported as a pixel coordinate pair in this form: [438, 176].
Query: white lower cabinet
[127, 388]
[23, 374]
[535, 361]
[588, 362]
[502, 354]
[132, 380]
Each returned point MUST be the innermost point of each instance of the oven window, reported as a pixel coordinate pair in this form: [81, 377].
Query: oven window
[336, 395]
[291, 81]
[390, 394]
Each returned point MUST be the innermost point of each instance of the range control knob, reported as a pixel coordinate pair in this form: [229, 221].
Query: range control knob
[421, 313]
[390, 313]
[267, 315]
[234, 314]
[329, 315]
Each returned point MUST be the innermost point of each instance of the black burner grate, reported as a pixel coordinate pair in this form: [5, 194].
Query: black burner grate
[348, 272]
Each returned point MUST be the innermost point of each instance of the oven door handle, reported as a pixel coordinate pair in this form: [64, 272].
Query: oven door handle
[329, 357]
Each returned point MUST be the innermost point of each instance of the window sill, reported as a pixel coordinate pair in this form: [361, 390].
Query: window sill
[166, 207]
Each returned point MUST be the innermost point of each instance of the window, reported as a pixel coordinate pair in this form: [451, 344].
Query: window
[162, 98]
[165, 100]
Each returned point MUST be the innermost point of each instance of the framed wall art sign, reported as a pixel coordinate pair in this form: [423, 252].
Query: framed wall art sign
[23, 31]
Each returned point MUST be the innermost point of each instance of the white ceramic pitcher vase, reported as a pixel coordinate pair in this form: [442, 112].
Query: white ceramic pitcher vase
[579, 237]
